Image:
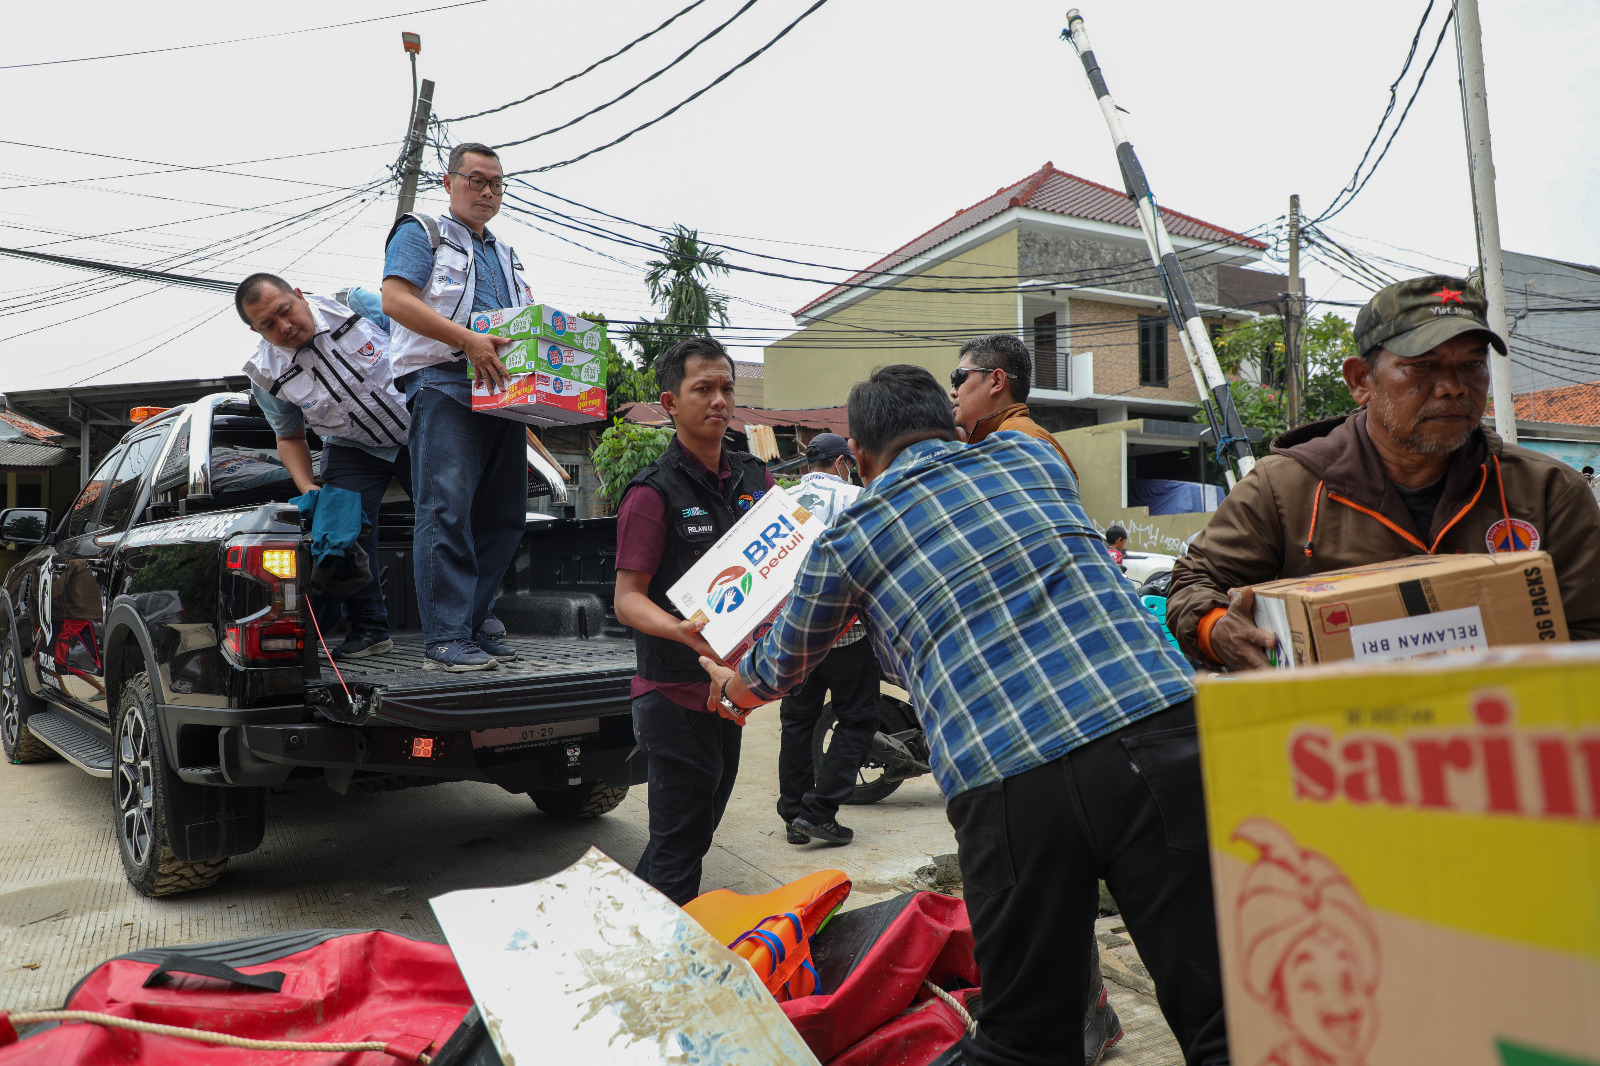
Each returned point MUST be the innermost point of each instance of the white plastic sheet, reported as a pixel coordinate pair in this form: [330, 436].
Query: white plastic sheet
[592, 966]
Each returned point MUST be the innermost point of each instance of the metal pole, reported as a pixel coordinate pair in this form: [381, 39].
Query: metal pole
[1485, 209]
[1291, 321]
[414, 142]
[1180, 301]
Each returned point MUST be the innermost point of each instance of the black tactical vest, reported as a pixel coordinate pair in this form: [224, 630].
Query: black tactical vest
[697, 516]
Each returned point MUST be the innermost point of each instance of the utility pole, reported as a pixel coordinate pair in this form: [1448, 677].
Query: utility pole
[417, 135]
[1485, 209]
[1291, 321]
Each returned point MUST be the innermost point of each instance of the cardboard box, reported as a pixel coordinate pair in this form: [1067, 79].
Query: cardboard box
[540, 321]
[740, 584]
[541, 399]
[524, 357]
[1414, 607]
[1406, 858]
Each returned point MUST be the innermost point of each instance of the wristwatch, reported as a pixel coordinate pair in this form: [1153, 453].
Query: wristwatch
[733, 710]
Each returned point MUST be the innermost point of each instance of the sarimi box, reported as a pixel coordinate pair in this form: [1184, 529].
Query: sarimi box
[1406, 858]
[1413, 607]
[541, 399]
[741, 582]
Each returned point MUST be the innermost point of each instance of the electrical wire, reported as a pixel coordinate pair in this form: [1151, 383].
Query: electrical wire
[675, 108]
[238, 40]
[591, 67]
[174, 168]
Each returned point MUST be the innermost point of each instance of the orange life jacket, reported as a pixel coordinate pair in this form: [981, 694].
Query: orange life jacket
[773, 931]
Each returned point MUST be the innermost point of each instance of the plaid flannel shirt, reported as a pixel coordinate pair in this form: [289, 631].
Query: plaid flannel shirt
[987, 592]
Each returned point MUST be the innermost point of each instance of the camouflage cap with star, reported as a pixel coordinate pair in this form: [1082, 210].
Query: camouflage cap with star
[1415, 316]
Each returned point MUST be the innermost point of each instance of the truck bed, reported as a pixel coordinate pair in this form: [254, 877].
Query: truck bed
[569, 675]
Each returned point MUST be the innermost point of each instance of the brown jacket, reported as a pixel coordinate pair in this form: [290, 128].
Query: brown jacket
[1328, 474]
[1015, 418]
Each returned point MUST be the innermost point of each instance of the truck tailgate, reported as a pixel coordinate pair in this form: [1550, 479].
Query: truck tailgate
[552, 679]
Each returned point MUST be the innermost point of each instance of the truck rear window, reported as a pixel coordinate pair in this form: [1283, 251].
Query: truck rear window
[245, 468]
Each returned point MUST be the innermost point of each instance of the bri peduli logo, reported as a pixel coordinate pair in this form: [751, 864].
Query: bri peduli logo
[728, 589]
[558, 322]
[480, 323]
[554, 357]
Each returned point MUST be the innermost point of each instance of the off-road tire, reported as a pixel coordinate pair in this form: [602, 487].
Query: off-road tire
[17, 704]
[870, 786]
[579, 802]
[139, 779]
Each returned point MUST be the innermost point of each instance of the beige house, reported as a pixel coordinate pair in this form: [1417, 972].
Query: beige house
[1061, 262]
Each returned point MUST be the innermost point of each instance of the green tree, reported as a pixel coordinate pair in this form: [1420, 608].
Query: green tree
[679, 287]
[625, 382]
[626, 448]
[1325, 343]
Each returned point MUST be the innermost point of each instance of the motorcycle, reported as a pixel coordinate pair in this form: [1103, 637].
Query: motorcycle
[899, 749]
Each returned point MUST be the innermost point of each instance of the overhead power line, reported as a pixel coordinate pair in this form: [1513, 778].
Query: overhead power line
[164, 277]
[675, 108]
[591, 67]
[238, 40]
[174, 168]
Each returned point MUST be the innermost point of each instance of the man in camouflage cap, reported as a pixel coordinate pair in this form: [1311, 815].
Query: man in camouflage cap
[1412, 472]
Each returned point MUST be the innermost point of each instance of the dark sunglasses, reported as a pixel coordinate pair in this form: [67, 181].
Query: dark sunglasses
[959, 374]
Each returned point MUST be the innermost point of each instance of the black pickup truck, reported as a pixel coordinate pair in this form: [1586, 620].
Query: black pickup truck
[159, 635]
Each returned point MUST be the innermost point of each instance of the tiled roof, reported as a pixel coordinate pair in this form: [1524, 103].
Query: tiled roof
[1571, 405]
[1046, 189]
[28, 426]
[19, 452]
[745, 371]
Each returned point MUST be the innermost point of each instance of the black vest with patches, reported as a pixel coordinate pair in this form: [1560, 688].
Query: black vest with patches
[697, 515]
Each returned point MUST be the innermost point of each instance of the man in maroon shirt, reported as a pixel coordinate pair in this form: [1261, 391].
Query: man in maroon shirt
[671, 513]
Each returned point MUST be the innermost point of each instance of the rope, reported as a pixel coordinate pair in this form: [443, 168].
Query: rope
[1224, 444]
[954, 1004]
[201, 1035]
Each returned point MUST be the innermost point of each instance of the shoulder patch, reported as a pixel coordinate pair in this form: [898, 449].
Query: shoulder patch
[1512, 535]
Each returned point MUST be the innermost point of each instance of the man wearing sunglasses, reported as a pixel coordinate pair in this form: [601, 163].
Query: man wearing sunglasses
[989, 388]
[469, 471]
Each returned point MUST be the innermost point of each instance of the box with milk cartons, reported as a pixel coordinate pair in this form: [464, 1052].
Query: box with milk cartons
[738, 586]
[541, 399]
[1414, 607]
[548, 341]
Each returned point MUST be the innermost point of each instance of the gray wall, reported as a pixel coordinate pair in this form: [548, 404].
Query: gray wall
[1538, 291]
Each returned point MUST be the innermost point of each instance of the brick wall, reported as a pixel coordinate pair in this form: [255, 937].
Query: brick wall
[1111, 332]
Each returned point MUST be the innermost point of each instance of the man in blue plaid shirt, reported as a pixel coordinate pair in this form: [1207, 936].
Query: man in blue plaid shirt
[1061, 721]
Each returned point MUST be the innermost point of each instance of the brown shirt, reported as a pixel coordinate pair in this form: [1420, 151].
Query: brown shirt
[1015, 418]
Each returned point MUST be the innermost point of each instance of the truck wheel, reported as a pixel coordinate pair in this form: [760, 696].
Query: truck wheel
[139, 798]
[16, 704]
[577, 802]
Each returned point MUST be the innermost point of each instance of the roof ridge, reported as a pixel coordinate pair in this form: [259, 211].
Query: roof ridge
[1032, 182]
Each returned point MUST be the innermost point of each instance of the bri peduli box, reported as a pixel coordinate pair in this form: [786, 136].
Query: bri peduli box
[1406, 859]
[740, 583]
[1413, 607]
[541, 399]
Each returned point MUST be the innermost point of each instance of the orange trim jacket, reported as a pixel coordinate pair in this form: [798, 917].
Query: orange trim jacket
[1016, 419]
[1321, 501]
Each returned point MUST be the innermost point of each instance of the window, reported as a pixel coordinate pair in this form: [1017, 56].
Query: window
[172, 483]
[1153, 351]
[84, 507]
[1045, 374]
[123, 492]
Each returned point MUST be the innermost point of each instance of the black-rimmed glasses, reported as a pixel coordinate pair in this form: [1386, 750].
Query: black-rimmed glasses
[479, 183]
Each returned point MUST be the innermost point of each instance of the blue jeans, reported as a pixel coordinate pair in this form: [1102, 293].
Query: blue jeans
[360, 471]
[469, 478]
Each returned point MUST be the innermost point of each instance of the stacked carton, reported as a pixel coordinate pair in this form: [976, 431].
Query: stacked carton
[557, 366]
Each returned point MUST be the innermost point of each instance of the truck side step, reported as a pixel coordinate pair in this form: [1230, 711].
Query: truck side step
[73, 743]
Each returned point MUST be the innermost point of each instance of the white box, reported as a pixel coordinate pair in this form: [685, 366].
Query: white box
[739, 585]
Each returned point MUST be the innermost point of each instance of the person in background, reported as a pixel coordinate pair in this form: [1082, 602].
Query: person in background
[470, 470]
[1116, 543]
[671, 513]
[989, 387]
[323, 365]
[809, 796]
[1061, 721]
[1413, 471]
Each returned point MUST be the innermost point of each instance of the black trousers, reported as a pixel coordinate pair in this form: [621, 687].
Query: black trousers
[851, 673]
[362, 472]
[1126, 807]
[693, 760]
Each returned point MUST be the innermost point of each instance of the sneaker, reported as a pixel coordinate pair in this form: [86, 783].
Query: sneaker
[362, 645]
[1102, 1029]
[795, 836]
[504, 652]
[457, 656]
[828, 832]
[492, 628]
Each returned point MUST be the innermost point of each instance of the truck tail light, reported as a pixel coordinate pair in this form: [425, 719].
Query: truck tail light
[262, 620]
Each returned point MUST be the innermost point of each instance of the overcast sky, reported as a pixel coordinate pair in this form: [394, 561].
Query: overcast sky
[870, 122]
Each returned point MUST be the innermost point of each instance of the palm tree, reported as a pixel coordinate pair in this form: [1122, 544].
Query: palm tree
[678, 285]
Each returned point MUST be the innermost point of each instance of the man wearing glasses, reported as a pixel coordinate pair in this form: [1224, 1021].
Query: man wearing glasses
[989, 388]
[469, 472]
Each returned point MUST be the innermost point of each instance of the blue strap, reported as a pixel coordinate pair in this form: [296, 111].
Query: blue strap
[775, 950]
[1224, 444]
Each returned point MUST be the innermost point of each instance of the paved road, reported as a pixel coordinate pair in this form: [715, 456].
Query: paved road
[374, 860]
